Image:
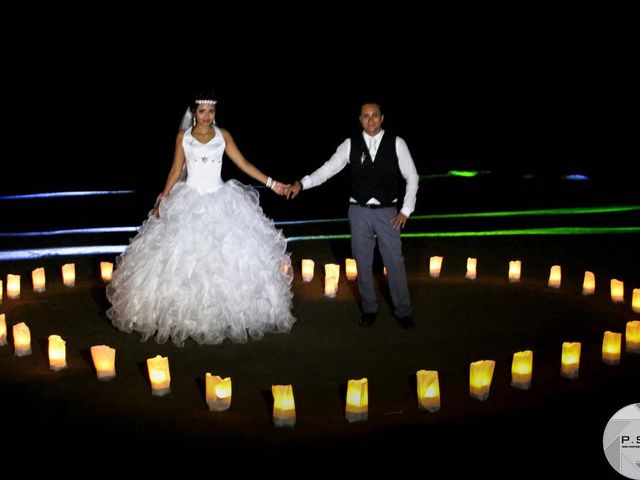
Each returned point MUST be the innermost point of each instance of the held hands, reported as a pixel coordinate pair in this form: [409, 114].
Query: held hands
[279, 188]
[293, 190]
[284, 189]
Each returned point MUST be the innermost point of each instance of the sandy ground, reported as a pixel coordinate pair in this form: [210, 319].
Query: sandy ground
[556, 426]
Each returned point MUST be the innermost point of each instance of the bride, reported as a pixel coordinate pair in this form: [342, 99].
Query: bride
[207, 264]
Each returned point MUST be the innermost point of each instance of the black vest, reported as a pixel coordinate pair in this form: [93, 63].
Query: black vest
[381, 180]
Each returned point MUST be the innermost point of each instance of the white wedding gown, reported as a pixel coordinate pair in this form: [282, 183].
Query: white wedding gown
[212, 267]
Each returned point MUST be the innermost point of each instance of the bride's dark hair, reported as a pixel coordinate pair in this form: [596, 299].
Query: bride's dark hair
[202, 97]
[188, 117]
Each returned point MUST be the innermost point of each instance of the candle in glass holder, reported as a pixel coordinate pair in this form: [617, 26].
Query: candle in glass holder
[555, 276]
[589, 283]
[218, 392]
[350, 269]
[104, 361]
[331, 279]
[515, 267]
[611, 345]
[307, 269]
[69, 274]
[38, 280]
[57, 353]
[284, 406]
[13, 286]
[471, 268]
[632, 337]
[3, 330]
[521, 370]
[435, 266]
[159, 375]
[570, 360]
[428, 390]
[106, 270]
[21, 340]
[617, 291]
[480, 377]
[357, 408]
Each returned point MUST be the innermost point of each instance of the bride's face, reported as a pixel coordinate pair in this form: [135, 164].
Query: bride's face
[205, 114]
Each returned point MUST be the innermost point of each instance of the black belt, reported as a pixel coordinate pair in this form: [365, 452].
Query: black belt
[372, 206]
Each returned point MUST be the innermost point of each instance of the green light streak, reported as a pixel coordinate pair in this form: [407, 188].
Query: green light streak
[303, 238]
[531, 231]
[515, 213]
[456, 173]
[462, 173]
[494, 233]
[520, 213]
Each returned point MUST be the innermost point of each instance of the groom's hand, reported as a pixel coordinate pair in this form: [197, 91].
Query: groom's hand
[294, 189]
[399, 221]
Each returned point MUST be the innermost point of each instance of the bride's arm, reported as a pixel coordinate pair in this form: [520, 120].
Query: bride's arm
[174, 173]
[176, 167]
[247, 167]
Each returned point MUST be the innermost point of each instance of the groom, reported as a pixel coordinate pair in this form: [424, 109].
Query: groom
[380, 165]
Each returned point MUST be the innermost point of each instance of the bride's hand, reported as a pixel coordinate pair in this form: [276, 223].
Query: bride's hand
[280, 188]
[156, 208]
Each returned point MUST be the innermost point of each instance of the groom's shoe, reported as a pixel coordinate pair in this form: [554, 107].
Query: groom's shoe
[406, 322]
[367, 319]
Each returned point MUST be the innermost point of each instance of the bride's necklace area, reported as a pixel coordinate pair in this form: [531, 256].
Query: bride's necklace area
[203, 136]
[203, 139]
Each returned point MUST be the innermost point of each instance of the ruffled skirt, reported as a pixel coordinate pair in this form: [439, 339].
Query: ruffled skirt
[212, 267]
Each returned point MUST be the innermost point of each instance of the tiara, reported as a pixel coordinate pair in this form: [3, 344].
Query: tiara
[209, 102]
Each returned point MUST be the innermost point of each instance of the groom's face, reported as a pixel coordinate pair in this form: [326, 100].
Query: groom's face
[371, 118]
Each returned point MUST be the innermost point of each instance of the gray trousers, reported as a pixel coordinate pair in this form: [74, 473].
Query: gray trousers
[367, 225]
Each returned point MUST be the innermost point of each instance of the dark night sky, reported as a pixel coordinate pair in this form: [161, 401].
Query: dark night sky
[514, 99]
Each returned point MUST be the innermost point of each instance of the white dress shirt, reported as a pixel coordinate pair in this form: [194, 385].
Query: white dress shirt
[341, 158]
